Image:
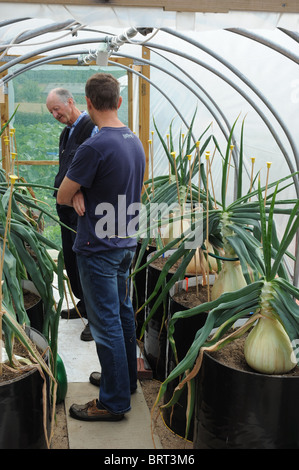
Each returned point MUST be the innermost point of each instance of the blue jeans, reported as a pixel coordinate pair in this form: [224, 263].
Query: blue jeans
[104, 278]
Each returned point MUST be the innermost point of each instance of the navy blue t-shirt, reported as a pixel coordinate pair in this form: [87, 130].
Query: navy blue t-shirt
[110, 169]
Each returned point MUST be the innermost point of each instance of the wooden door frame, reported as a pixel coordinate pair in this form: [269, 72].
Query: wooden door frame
[143, 104]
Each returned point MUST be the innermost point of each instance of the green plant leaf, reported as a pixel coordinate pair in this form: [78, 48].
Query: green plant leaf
[240, 169]
[225, 165]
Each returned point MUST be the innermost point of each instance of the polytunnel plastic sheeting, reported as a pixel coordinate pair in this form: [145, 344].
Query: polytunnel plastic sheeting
[265, 78]
[271, 73]
[186, 78]
[274, 76]
[123, 17]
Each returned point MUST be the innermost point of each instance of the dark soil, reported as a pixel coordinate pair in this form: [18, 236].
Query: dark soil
[160, 262]
[30, 299]
[18, 350]
[233, 356]
[193, 296]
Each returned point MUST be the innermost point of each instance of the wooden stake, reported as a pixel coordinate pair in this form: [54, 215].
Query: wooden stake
[213, 156]
[189, 185]
[230, 156]
[251, 178]
[13, 158]
[212, 184]
[152, 164]
[145, 190]
[14, 153]
[196, 154]
[152, 160]
[207, 225]
[196, 274]
[6, 150]
[267, 180]
[178, 189]
[183, 137]
[169, 165]
[198, 158]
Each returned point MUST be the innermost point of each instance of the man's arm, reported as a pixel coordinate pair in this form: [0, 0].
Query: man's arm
[69, 194]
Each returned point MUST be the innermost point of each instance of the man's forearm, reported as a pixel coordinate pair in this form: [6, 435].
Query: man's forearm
[67, 191]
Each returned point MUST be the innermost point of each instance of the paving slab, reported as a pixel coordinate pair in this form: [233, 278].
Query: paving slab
[133, 432]
[80, 359]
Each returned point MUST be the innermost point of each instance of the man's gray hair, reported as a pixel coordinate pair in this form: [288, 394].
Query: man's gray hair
[63, 94]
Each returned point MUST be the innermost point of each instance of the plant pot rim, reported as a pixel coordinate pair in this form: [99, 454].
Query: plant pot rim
[22, 375]
[182, 284]
[166, 254]
[29, 285]
[249, 372]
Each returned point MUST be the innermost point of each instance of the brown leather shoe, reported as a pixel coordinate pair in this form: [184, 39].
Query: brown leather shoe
[90, 412]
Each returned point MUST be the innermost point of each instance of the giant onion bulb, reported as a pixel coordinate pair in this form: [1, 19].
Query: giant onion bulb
[173, 230]
[201, 263]
[268, 348]
[230, 278]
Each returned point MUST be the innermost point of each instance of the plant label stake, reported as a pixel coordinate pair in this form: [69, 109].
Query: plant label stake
[251, 178]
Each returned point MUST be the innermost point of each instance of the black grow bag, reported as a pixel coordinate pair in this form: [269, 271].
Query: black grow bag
[21, 408]
[155, 335]
[236, 409]
[184, 334]
[139, 289]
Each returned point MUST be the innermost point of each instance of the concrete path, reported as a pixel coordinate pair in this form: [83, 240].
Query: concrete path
[80, 359]
[133, 432]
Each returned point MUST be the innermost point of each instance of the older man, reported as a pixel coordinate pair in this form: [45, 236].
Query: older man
[78, 127]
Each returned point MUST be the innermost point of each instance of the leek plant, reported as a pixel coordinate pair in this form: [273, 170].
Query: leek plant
[20, 241]
[267, 304]
[24, 254]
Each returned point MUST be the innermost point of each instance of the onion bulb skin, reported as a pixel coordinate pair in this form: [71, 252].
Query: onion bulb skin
[268, 349]
[230, 279]
[173, 230]
[202, 263]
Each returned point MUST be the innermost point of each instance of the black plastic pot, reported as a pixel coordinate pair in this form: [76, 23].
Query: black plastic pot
[139, 290]
[36, 315]
[21, 407]
[236, 409]
[35, 312]
[185, 331]
[155, 335]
